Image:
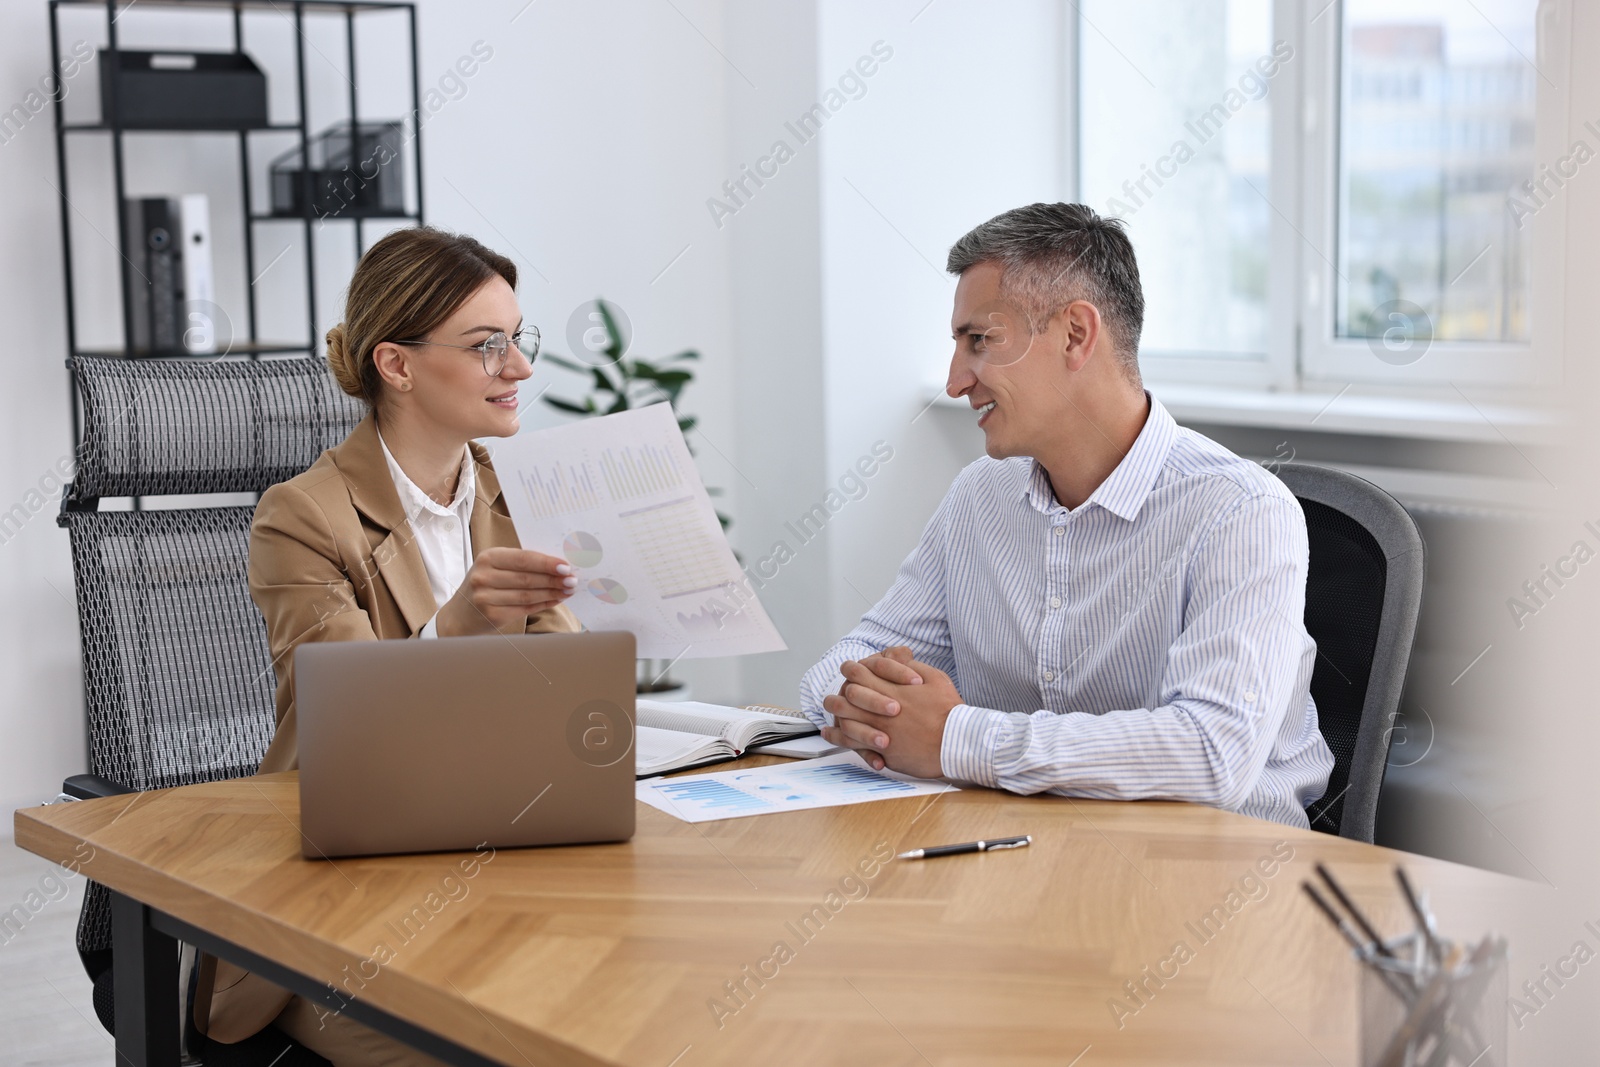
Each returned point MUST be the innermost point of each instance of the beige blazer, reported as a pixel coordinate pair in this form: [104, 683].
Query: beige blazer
[332, 558]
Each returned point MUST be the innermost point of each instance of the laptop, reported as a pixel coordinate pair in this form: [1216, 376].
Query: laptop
[451, 744]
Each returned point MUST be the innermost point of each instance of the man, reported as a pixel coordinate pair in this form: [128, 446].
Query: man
[1109, 605]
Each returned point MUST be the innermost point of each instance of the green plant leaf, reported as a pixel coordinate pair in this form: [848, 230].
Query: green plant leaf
[627, 384]
[568, 406]
[613, 335]
[565, 363]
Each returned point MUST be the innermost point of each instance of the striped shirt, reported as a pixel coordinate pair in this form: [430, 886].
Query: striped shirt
[1149, 643]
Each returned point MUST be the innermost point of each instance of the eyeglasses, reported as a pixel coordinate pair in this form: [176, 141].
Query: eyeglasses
[496, 348]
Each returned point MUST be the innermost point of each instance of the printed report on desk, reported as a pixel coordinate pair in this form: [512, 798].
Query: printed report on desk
[818, 783]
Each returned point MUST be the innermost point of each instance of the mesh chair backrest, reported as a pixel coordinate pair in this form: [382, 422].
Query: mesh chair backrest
[178, 678]
[1344, 607]
[158, 427]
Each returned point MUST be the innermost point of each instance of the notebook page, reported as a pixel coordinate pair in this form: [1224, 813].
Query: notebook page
[656, 751]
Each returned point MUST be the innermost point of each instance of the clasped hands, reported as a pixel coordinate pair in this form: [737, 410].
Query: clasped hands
[892, 709]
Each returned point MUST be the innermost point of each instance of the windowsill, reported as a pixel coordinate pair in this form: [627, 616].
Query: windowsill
[1353, 412]
[1348, 412]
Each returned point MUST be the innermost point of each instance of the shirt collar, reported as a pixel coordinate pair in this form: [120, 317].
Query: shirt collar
[1126, 488]
[414, 500]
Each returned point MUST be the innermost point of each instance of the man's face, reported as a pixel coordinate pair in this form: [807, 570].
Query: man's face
[1012, 376]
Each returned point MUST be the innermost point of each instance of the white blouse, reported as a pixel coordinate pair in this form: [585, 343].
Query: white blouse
[443, 534]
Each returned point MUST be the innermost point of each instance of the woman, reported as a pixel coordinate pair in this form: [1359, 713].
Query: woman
[400, 531]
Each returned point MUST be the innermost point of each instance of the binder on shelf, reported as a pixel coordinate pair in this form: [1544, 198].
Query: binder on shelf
[170, 289]
[200, 312]
[154, 289]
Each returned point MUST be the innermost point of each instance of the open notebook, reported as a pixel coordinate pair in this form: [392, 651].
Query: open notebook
[674, 735]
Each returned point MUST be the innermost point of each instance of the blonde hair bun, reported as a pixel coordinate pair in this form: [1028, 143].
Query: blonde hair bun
[340, 363]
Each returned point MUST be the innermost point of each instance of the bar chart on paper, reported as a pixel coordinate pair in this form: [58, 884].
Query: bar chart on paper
[618, 498]
[710, 796]
[818, 783]
[559, 489]
[849, 779]
[634, 472]
[584, 482]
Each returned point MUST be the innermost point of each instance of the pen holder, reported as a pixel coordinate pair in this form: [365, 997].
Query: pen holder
[1422, 1011]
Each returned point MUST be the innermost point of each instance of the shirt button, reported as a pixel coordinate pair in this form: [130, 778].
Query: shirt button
[1061, 531]
[1249, 696]
[1055, 602]
[1049, 676]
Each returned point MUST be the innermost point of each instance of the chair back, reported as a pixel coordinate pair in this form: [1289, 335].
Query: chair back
[1363, 597]
[178, 679]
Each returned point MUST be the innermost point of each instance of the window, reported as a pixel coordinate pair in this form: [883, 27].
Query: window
[1435, 136]
[1184, 158]
[1332, 193]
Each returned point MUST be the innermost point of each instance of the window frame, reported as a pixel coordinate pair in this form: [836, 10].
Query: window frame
[1331, 360]
[1302, 352]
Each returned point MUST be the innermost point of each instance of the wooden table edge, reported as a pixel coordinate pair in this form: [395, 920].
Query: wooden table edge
[175, 918]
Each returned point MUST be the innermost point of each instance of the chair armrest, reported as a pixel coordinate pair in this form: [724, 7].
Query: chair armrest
[90, 786]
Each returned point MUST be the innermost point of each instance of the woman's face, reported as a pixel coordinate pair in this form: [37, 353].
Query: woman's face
[448, 388]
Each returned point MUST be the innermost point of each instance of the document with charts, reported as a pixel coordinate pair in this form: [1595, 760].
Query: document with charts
[618, 497]
[816, 783]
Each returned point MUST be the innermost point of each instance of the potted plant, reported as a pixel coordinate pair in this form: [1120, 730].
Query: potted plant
[618, 384]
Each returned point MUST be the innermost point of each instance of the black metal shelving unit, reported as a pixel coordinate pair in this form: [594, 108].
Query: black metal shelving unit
[299, 10]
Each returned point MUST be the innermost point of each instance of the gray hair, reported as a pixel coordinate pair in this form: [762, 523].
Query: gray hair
[1053, 254]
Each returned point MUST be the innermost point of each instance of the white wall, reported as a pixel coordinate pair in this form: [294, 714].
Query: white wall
[774, 246]
[964, 122]
[41, 730]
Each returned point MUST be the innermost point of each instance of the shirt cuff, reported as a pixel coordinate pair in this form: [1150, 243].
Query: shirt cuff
[972, 736]
[430, 628]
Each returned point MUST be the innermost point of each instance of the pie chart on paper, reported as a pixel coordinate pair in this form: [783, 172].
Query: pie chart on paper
[609, 591]
[582, 549]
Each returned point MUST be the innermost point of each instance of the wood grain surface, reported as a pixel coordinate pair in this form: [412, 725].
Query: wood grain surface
[1129, 933]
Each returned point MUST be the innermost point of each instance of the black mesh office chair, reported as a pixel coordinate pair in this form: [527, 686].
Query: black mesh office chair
[178, 680]
[1363, 596]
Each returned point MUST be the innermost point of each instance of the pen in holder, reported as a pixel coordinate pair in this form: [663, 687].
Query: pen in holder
[1425, 1001]
[1416, 1012]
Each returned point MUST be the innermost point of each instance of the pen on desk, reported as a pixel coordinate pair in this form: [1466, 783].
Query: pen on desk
[970, 846]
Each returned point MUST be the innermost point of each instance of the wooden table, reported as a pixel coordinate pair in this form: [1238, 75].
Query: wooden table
[775, 939]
